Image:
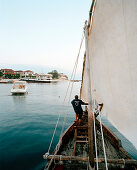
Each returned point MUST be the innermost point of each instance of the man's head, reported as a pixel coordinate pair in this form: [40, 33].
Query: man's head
[76, 97]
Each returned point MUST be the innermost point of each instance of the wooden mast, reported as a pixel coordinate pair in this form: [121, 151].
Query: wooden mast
[90, 113]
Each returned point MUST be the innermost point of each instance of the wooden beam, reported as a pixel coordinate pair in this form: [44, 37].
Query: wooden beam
[85, 159]
[75, 138]
[81, 127]
[90, 114]
[65, 158]
[118, 161]
[86, 108]
[90, 137]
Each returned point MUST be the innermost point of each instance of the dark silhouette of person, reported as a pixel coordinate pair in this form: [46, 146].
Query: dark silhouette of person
[76, 103]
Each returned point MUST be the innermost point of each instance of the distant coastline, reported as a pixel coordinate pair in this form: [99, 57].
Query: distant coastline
[10, 75]
[10, 81]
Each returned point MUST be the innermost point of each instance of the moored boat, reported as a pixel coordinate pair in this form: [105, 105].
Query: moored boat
[19, 87]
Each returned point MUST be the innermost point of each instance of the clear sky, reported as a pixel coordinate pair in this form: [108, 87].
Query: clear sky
[42, 32]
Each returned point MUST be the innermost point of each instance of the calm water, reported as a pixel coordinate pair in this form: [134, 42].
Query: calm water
[27, 124]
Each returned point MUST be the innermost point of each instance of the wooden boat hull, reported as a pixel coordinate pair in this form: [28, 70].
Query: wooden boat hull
[62, 157]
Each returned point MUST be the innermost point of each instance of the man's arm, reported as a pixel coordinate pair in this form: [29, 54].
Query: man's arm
[101, 106]
[83, 103]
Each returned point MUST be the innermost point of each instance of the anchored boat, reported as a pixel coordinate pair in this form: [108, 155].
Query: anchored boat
[108, 80]
[19, 87]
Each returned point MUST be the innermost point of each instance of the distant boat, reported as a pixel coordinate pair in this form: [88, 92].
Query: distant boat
[37, 80]
[19, 87]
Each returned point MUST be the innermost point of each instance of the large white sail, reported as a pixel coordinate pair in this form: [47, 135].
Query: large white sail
[112, 46]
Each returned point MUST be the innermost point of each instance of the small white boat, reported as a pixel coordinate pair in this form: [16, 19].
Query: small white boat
[19, 87]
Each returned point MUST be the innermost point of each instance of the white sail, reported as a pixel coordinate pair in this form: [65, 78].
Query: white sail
[112, 46]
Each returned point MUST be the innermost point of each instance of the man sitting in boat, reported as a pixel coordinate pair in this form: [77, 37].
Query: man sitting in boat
[76, 103]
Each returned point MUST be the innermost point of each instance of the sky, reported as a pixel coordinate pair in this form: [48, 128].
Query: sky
[43, 33]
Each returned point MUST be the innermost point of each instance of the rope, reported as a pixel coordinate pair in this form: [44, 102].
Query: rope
[54, 133]
[75, 67]
[124, 163]
[95, 137]
[72, 77]
[88, 163]
[103, 142]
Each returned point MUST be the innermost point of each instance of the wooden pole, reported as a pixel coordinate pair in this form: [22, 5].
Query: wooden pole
[85, 159]
[86, 108]
[90, 114]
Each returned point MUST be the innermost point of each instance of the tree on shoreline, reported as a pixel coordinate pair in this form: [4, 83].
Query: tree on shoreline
[54, 73]
[10, 76]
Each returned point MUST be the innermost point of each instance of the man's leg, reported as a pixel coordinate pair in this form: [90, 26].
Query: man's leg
[76, 117]
[80, 118]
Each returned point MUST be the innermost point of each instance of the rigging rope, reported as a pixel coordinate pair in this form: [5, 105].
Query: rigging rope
[103, 141]
[72, 76]
[54, 133]
[95, 136]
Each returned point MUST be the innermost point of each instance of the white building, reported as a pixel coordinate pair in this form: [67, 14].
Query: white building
[28, 73]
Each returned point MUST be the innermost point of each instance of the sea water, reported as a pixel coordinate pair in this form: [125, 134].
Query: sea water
[27, 123]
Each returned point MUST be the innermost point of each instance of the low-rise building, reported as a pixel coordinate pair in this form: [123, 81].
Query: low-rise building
[28, 73]
[7, 71]
[20, 72]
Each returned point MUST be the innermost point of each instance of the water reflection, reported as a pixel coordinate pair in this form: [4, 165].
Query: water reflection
[19, 98]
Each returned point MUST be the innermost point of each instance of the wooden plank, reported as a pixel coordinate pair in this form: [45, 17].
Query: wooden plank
[83, 133]
[75, 138]
[82, 137]
[69, 158]
[81, 127]
[90, 137]
[82, 141]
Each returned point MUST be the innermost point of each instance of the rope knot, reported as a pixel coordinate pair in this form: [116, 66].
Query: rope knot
[46, 155]
[123, 166]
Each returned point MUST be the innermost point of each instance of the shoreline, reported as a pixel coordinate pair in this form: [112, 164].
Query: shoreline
[11, 81]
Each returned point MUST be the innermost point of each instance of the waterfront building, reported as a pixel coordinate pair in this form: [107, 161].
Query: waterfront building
[28, 73]
[20, 72]
[7, 71]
